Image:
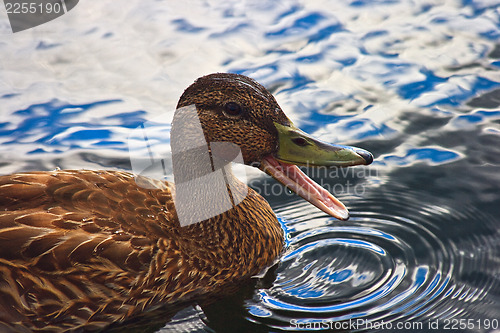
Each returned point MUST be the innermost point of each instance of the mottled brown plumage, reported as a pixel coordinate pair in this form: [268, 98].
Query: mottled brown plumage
[86, 248]
[81, 249]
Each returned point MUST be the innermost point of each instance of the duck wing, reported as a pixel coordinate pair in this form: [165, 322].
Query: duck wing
[74, 243]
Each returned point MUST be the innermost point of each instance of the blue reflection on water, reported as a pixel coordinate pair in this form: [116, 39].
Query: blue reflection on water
[184, 26]
[336, 276]
[378, 294]
[299, 26]
[325, 32]
[365, 3]
[49, 125]
[475, 118]
[478, 84]
[433, 155]
[343, 230]
[286, 230]
[259, 311]
[415, 89]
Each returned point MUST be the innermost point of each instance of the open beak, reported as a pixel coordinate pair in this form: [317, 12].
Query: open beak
[299, 148]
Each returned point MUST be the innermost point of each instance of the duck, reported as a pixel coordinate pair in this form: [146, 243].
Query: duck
[83, 249]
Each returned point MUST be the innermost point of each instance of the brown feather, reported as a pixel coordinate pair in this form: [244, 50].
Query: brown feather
[61, 257]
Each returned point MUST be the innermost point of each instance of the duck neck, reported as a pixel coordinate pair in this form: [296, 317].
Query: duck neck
[244, 239]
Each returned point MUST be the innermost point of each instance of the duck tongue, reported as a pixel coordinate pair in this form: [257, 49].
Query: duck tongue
[293, 178]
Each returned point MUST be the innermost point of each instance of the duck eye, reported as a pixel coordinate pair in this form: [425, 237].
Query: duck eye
[232, 109]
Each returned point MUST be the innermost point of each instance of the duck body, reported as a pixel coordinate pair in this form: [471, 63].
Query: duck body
[82, 249]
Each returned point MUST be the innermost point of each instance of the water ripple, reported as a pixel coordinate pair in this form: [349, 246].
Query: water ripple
[377, 268]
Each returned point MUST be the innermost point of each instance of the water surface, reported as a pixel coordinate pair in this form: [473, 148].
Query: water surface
[417, 84]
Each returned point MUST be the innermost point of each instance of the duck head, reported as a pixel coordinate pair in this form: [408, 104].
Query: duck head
[236, 109]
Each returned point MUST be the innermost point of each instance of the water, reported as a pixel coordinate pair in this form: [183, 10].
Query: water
[417, 84]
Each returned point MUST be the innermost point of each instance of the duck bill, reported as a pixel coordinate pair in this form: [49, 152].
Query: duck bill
[299, 148]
